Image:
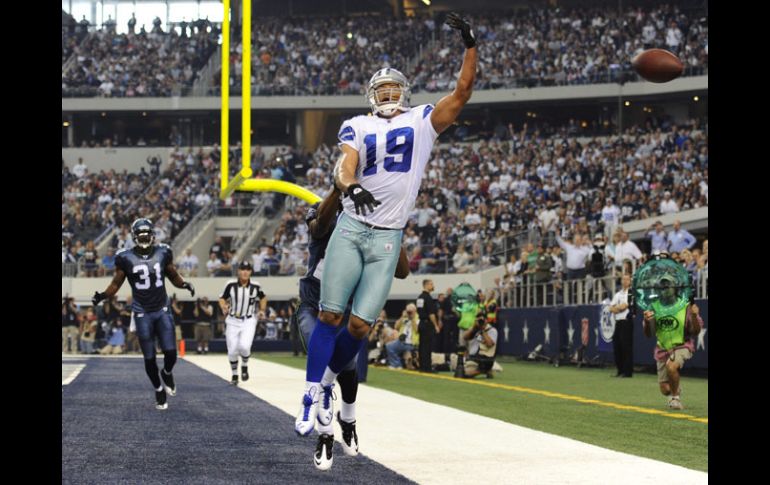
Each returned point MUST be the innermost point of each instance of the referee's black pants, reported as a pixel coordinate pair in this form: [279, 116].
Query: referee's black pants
[426, 330]
[623, 346]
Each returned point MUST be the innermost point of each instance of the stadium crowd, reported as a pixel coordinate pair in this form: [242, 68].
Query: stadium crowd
[140, 64]
[93, 202]
[309, 56]
[538, 47]
[479, 203]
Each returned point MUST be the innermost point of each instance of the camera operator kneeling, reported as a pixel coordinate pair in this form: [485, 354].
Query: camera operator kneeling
[482, 344]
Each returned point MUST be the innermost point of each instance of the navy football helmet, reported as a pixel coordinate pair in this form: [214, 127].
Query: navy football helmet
[143, 233]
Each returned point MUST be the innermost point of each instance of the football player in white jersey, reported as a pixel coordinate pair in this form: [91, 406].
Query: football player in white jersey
[383, 160]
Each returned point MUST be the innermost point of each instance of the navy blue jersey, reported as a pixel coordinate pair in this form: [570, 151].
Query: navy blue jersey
[310, 284]
[146, 274]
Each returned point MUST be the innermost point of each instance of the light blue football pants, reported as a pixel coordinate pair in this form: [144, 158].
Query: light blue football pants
[363, 256]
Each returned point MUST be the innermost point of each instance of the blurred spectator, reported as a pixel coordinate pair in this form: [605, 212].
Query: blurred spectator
[80, 169]
[610, 216]
[577, 256]
[88, 332]
[90, 260]
[626, 250]
[203, 314]
[679, 239]
[213, 264]
[408, 338]
[658, 237]
[70, 324]
[126, 320]
[108, 263]
[669, 205]
[218, 248]
[188, 265]
[116, 340]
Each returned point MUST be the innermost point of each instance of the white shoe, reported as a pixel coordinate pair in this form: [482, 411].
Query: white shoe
[305, 422]
[675, 403]
[323, 456]
[326, 405]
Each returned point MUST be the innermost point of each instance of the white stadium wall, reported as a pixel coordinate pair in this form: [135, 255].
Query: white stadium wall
[125, 158]
[490, 96]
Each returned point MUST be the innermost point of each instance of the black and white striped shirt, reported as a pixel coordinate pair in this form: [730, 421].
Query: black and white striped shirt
[243, 299]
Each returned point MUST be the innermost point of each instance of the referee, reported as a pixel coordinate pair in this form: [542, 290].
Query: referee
[238, 302]
[623, 338]
[426, 310]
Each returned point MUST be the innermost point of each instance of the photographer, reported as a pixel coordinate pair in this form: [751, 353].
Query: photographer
[203, 312]
[69, 324]
[88, 332]
[381, 335]
[408, 337]
[482, 345]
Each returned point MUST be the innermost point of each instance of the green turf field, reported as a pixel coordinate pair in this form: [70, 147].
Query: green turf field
[680, 441]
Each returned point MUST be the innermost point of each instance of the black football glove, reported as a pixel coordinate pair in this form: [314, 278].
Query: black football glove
[190, 287]
[456, 22]
[98, 297]
[362, 198]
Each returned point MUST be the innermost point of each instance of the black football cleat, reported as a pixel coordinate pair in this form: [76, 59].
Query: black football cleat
[160, 400]
[323, 457]
[168, 382]
[349, 436]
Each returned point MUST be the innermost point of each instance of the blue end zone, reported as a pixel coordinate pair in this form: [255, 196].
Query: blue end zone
[212, 433]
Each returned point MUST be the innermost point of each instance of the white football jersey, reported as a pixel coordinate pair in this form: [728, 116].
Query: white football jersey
[392, 156]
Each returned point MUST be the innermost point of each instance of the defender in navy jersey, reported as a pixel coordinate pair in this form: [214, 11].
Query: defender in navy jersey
[321, 220]
[146, 265]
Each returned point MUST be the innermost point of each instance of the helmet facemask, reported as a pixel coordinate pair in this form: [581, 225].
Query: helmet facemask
[387, 100]
[388, 92]
[144, 239]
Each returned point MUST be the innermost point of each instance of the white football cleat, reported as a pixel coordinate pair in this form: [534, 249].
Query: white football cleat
[308, 411]
[326, 405]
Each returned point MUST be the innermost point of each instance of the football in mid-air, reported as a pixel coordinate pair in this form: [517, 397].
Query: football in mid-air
[657, 65]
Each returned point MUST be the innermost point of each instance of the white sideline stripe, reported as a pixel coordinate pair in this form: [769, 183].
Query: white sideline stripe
[74, 371]
[430, 443]
[66, 357]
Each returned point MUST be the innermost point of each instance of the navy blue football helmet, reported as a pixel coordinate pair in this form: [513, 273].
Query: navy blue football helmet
[143, 233]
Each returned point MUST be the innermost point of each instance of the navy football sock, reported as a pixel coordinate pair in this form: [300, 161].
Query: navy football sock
[151, 367]
[346, 347]
[169, 359]
[319, 350]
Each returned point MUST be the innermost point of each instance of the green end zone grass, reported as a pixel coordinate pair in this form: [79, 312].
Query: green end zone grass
[678, 441]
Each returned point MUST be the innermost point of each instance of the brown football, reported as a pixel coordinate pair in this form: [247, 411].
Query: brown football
[657, 65]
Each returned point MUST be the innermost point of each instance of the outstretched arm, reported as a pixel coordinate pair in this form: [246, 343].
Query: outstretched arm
[319, 226]
[115, 284]
[177, 280]
[449, 107]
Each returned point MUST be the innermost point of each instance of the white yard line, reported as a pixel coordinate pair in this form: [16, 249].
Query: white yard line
[72, 370]
[431, 443]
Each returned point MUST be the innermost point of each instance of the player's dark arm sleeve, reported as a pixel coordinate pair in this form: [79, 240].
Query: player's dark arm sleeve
[174, 276]
[402, 267]
[319, 226]
[116, 283]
